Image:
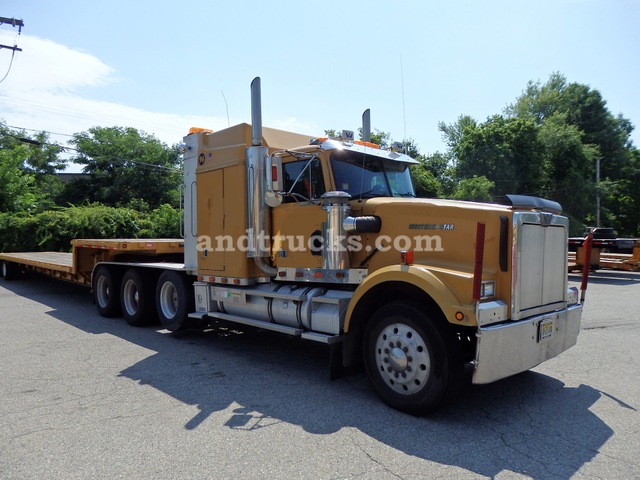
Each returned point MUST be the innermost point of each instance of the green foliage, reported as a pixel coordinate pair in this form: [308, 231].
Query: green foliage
[424, 182]
[163, 222]
[475, 189]
[578, 130]
[27, 167]
[453, 133]
[124, 164]
[17, 189]
[53, 230]
[547, 144]
[569, 166]
[621, 198]
[433, 177]
[506, 151]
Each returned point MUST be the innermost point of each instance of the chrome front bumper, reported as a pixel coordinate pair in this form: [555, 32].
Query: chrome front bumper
[513, 347]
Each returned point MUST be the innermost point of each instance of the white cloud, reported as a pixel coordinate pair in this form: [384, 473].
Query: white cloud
[48, 88]
[45, 66]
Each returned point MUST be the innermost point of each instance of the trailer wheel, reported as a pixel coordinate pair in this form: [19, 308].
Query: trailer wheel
[174, 300]
[413, 365]
[106, 290]
[137, 297]
[11, 271]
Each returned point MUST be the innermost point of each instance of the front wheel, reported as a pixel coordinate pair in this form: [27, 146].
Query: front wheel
[411, 359]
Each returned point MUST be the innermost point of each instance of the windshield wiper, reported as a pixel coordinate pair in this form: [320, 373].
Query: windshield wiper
[370, 194]
[407, 194]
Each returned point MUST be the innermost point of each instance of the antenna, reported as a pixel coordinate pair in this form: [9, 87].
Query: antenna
[227, 105]
[404, 114]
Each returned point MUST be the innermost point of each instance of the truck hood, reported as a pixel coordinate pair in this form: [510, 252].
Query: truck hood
[421, 206]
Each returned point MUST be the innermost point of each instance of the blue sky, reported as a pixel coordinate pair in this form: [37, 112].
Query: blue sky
[163, 66]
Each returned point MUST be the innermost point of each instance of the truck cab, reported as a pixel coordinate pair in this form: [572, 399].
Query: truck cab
[324, 239]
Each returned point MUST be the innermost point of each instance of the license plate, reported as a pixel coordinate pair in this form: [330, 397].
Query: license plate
[545, 329]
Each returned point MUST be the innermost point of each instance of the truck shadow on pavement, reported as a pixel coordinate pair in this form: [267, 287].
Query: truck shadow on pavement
[530, 424]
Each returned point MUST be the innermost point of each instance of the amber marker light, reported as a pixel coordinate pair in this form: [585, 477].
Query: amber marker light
[459, 316]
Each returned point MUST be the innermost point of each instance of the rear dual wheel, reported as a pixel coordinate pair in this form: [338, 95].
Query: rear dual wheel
[131, 294]
[137, 297]
[11, 271]
[174, 300]
[105, 284]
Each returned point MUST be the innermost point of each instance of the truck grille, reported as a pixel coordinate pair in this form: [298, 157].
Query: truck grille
[539, 281]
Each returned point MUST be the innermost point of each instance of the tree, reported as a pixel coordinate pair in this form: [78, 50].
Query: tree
[124, 165]
[504, 150]
[622, 198]
[570, 168]
[453, 133]
[475, 189]
[27, 168]
[433, 177]
[578, 131]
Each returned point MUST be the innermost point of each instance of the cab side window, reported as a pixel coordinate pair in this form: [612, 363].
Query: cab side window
[303, 178]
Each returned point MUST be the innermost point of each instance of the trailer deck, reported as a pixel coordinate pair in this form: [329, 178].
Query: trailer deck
[77, 265]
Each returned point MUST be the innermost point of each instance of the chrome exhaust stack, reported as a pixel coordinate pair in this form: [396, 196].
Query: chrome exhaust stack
[335, 254]
[258, 218]
[366, 126]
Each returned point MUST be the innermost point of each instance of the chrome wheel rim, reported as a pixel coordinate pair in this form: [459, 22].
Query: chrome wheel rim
[102, 292]
[169, 300]
[402, 358]
[131, 297]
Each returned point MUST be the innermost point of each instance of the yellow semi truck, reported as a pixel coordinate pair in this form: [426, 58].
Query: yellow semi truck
[324, 239]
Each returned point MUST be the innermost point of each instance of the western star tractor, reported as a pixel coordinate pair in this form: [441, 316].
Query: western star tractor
[324, 239]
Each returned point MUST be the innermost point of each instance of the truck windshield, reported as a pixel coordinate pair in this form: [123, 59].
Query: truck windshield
[366, 176]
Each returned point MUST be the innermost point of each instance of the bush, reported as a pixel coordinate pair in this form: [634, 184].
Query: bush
[53, 230]
[163, 222]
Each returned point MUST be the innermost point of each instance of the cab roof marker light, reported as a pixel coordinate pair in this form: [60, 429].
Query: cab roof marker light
[367, 144]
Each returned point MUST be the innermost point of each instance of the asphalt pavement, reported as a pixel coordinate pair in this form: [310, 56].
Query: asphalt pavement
[85, 397]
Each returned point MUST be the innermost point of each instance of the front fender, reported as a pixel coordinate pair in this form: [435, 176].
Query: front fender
[427, 279]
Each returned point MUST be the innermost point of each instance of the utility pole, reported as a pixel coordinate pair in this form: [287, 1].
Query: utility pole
[14, 22]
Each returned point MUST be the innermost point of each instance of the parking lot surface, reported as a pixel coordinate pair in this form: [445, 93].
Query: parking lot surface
[83, 396]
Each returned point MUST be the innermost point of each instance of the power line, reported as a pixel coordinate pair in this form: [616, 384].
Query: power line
[149, 166]
[36, 130]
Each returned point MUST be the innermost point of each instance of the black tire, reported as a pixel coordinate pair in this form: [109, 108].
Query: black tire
[11, 271]
[174, 300]
[412, 359]
[137, 293]
[105, 284]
